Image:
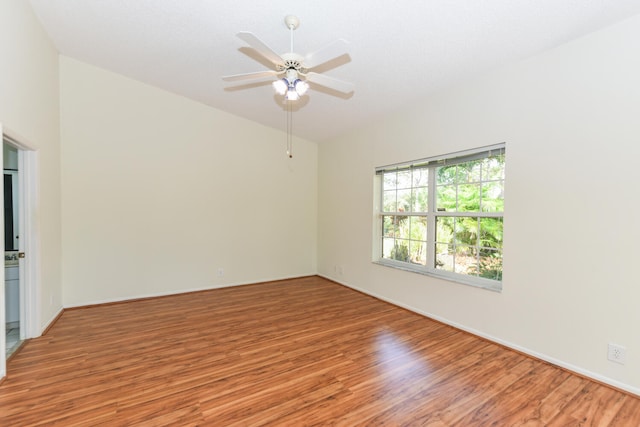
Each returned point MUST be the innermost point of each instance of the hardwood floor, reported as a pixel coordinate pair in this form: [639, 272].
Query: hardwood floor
[290, 353]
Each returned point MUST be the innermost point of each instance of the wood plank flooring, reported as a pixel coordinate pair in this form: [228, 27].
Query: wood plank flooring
[292, 353]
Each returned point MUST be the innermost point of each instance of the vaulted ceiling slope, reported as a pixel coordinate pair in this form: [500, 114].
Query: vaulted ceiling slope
[400, 51]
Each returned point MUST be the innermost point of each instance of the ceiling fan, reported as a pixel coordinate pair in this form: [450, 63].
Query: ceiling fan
[294, 70]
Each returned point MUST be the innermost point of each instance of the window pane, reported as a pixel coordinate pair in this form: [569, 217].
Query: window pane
[404, 178]
[467, 251]
[469, 171]
[446, 198]
[493, 168]
[457, 245]
[389, 201]
[490, 264]
[492, 196]
[404, 200]
[466, 260]
[466, 231]
[418, 252]
[491, 233]
[420, 177]
[469, 198]
[444, 230]
[445, 175]
[389, 227]
[387, 246]
[390, 180]
[420, 199]
[444, 257]
[400, 250]
[402, 226]
[418, 226]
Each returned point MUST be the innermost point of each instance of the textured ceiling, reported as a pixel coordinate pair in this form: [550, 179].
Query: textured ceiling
[400, 51]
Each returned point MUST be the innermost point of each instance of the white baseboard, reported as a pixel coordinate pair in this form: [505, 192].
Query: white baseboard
[568, 366]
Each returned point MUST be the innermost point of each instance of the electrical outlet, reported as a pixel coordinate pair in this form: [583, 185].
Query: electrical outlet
[617, 353]
[220, 272]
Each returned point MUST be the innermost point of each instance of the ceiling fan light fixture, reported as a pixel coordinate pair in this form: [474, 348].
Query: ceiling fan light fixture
[292, 94]
[301, 87]
[281, 86]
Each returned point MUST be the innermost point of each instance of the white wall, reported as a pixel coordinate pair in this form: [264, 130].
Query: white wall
[570, 119]
[29, 111]
[159, 192]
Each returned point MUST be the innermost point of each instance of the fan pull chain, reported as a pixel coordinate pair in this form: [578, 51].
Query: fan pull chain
[289, 130]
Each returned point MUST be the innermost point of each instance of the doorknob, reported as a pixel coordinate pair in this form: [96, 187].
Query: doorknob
[21, 255]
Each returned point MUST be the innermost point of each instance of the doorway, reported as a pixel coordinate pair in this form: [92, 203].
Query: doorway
[12, 287]
[23, 184]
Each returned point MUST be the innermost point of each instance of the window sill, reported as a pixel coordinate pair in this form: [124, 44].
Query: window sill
[477, 282]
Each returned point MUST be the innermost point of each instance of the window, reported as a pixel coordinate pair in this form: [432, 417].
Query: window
[444, 216]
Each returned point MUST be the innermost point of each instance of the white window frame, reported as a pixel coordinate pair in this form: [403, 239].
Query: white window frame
[431, 164]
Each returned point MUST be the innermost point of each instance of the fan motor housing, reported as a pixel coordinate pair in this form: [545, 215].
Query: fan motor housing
[292, 61]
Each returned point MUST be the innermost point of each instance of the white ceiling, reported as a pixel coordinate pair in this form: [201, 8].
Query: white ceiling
[400, 51]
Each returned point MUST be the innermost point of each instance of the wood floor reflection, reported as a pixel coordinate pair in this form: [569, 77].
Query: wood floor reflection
[290, 353]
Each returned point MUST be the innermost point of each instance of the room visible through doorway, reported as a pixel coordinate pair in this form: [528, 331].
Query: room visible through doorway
[12, 286]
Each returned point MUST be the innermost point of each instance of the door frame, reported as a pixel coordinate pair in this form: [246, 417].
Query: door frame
[29, 267]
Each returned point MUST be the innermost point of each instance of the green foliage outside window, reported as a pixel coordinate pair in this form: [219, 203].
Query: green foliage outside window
[468, 204]
[470, 244]
[400, 253]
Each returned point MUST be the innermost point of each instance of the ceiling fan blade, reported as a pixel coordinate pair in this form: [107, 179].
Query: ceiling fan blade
[250, 76]
[327, 53]
[260, 47]
[330, 82]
